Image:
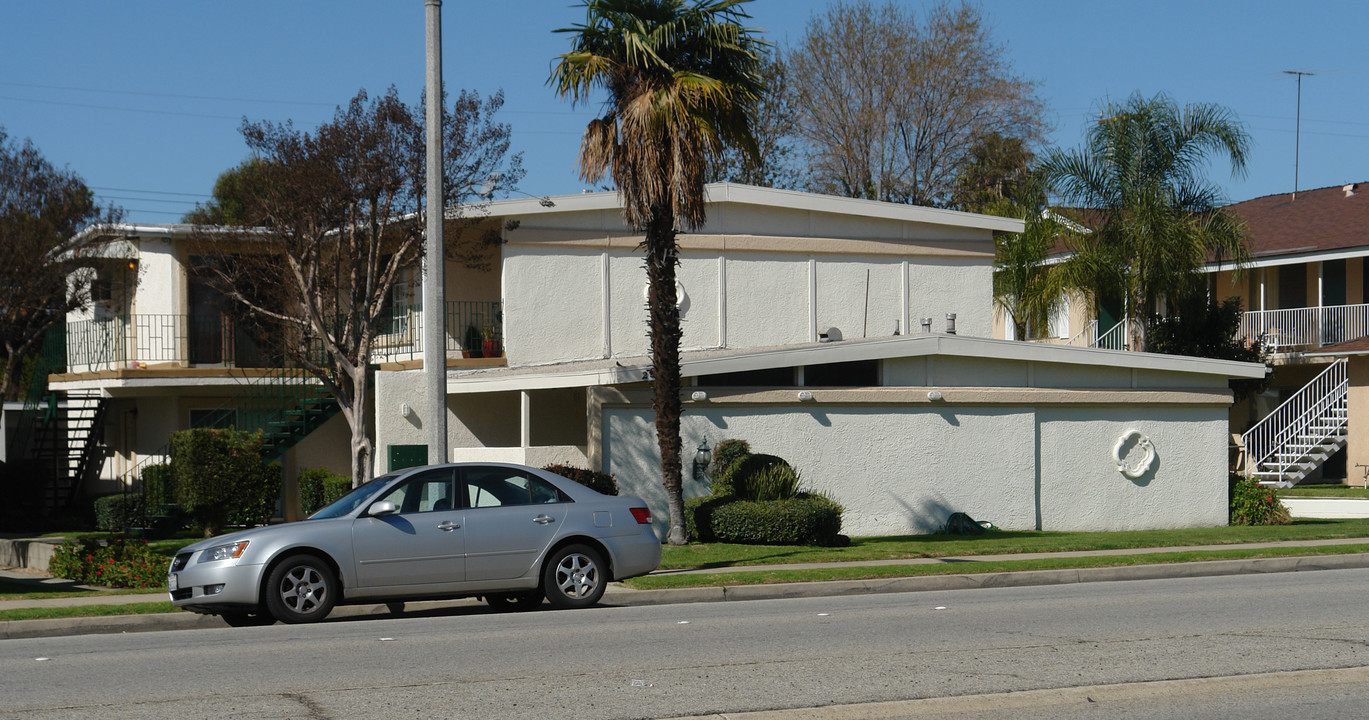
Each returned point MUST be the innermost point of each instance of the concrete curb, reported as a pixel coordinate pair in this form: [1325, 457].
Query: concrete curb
[620, 596]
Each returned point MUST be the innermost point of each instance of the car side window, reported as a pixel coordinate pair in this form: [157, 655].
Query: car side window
[499, 487]
[428, 491]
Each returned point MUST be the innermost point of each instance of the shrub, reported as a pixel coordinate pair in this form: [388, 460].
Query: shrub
[212, 468]
[804, 520]
[121, 563]
[777, 481]
[725, 454]
[1254, 504]
[592, 479]
[320, 487]
[159, 488]
[698, 512]
[119, 512]
[258, 492]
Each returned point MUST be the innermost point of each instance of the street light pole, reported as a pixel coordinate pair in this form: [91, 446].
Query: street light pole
[1297, 132]
[434, 256]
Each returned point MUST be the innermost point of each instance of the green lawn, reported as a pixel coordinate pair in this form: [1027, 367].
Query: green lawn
[716, 555]
[1327, 490]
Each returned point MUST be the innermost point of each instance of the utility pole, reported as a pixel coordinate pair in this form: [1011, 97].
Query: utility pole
[435, 254]
[1297, 132]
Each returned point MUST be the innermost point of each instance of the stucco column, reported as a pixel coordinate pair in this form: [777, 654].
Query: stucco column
[525, 419]
[1357, 450]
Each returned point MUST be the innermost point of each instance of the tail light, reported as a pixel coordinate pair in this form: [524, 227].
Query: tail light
[642, 514]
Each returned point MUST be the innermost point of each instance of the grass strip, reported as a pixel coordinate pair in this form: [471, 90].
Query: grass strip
[717, 555]
[763, 577]
[12, 590]
[146, 608]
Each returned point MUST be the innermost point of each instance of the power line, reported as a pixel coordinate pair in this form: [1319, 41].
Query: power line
[149, 192]
[156, 200]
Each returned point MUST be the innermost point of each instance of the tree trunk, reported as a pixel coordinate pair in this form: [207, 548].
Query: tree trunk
[362, 450]
[662, 255]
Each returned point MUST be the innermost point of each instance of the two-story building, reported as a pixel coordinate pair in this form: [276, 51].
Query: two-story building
[851, 337]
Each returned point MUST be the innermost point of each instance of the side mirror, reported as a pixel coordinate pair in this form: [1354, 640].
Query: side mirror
[382, 508]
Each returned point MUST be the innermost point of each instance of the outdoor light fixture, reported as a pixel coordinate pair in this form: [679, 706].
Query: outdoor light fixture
[702, 457]
[805, 395]
[406, 411]
[698, 396]
[934, 395]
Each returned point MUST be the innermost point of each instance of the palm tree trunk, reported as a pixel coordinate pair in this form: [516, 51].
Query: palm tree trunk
[662, 255]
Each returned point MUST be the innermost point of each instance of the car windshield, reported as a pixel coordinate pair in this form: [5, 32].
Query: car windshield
[349, 502]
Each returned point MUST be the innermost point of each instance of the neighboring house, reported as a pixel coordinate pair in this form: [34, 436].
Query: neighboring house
[1305, 292]
[851, 337]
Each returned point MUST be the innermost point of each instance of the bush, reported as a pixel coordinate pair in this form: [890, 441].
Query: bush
[121, 563]
[118, 513]
[320, 487]
[776, 481]
[592, 479]
[217, 475]
[1254, 504]
[159, 488]
[804, 520]
[698, 512]
[725, 454]
[257, 495]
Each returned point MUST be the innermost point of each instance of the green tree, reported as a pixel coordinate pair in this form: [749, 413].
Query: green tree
[1025, 287]
[997, 170]
[1153, 218]
[232, 195]
[681, 81]
[46, 263]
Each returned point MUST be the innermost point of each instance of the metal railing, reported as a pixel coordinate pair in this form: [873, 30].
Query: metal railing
[1119, 337]
[1300, 418]
[474, 328]
[1303, 328]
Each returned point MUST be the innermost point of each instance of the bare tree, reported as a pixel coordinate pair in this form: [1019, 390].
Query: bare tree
[772, 162]
[42, 249]
[888, 107]
[331, 220]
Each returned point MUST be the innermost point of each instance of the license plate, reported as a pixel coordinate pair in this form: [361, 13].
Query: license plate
[171, 582]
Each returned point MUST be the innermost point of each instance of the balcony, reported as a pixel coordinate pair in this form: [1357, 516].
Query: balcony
[1301, 329]
[474, 329]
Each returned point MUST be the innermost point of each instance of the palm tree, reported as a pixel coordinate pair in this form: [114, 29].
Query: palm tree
[681, 82]
[1025, 286]
[1153, 217]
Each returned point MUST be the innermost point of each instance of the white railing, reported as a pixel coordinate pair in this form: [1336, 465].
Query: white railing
[1302, 328]
[1117, 338]
[1294, 418]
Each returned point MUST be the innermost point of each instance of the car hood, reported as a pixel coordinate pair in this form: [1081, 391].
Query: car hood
[259, 533]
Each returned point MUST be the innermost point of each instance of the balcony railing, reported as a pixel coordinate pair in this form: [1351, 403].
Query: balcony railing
[1298, 329]
[474, 329]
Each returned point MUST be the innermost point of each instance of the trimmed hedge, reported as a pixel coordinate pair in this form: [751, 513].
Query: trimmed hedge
[159, 487]
[319, 487]
[594, 480]
[117, 513]
[219, 475]
[810, 520]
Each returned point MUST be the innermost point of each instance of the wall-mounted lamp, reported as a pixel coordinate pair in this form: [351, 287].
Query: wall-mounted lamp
[702, 457]
[805, 395]
[405, 411]
[934, 396]
[698, 396]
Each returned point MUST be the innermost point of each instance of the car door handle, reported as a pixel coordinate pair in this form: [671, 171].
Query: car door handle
[448, 526]
[543, 519]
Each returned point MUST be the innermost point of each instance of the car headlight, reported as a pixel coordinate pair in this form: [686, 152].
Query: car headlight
[231, 551]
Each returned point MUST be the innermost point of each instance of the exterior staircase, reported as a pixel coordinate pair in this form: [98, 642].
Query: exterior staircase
[285, 404]
[1302, 433]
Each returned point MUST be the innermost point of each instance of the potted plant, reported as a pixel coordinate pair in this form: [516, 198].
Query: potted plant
[489, 345]
[471, 343]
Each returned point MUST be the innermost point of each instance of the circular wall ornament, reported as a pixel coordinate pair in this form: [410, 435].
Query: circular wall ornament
[680, 295]
[1134, 468]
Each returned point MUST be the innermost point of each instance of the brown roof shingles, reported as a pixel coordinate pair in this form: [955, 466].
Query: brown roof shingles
[1319, 220]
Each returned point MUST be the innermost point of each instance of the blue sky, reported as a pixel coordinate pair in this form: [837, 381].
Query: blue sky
[144, 99]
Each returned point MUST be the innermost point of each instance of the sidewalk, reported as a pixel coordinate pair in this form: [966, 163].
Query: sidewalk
[619, 595]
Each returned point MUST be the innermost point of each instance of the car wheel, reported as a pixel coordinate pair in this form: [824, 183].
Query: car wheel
[248, 619]
[514, 601]
[301, 589]
[574, 577]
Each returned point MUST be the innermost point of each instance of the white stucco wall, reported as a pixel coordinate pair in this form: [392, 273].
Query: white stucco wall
[1081, 488]
[159, 277]
[901, 469]
[937, 286]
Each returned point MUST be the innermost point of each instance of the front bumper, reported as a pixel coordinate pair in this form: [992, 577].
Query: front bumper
[216, 587]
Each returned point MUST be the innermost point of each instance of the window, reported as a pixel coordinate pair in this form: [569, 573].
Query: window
[425, 492]
[217, 419]
[497, 487]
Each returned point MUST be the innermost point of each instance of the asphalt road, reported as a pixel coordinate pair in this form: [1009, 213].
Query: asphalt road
[1121, 643]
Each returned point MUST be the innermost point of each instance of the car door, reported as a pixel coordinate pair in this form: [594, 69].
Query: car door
[511, 517]
[422, 543]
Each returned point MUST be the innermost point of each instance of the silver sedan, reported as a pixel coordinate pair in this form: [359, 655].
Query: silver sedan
[508, 533]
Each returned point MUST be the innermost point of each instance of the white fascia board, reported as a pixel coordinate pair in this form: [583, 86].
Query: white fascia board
[852, 351]
[767, 197]
[1293, 258]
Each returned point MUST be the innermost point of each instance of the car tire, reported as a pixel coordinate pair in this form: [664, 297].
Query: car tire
[248, 619]
[301, 589]
[518, 601]
[574, 577]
